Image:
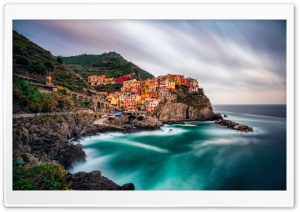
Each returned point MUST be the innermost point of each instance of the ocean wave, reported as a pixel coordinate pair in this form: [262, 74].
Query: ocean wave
[187, 125]
[139, 145]
[165, 131]
[225, 141]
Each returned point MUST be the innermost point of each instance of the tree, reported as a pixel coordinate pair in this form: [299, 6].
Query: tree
[37, 67]
[49, 65]
[59, 60]
[86, 103]
[22, 60]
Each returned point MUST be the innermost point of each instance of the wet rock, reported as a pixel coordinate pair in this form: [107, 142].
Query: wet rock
[233, 125]
[94, 181]
[148, 123]
[215, 116]
[44, 139]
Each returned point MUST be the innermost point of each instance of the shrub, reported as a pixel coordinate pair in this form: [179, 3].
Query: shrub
[22, 60]
[201, 91]
[27, 98]
[48, 65]
[41, 177]
[59, 60]
[86, 103]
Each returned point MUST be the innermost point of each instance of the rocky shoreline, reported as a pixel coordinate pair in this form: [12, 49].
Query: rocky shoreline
[48, 139]
[233, 125]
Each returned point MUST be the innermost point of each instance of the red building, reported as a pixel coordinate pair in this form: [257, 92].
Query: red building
[121, 79]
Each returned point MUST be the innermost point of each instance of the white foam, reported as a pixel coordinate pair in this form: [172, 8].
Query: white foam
[227, 141]
[187, 125]
[136, 144]
[144, 146]
[165, 131]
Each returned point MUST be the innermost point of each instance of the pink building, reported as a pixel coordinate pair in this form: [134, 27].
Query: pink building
[193, 89]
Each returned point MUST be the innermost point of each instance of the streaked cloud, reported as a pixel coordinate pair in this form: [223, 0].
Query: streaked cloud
[234, 61]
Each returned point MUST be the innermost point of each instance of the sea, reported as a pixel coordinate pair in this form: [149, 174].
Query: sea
[197, 155]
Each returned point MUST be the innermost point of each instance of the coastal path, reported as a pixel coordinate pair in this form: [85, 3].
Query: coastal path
[26, 115]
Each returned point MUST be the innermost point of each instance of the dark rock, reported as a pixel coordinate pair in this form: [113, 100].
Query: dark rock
[94, 181]
[233, 125]
[148, 123]
[127, 186]
[215, 116]
[29, 158]
[225, 115]
[44, 139]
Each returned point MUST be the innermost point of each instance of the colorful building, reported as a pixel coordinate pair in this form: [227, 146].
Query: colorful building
[146, 94]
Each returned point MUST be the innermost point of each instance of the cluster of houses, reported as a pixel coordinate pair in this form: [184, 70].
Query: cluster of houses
[102, 80]
[146, 94]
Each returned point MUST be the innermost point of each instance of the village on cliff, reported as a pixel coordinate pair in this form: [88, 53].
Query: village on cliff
[143, 94]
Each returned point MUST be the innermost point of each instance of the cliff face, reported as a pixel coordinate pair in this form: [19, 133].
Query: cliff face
[187, 107]
[173, 112]
[45, 139]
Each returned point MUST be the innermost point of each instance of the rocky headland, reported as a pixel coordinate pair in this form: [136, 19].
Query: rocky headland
[186, 107]
[46, 139]
[177, 112]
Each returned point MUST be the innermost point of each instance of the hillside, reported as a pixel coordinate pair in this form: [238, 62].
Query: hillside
[110, 64]
[32, 61]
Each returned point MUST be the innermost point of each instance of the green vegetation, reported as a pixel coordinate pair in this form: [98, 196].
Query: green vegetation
[86, 103]
[196, 99]
[86, 60]
[40, 177]
[111, 64]
[59, 60]
[27, 98]
[201, 91]
[33, 61]
[69, 80]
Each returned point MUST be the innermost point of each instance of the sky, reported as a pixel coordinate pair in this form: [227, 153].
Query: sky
[234, 61]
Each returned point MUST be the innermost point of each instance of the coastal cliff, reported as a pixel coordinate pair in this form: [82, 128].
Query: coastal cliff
[45, 140]
[173, 111]
[186, 107]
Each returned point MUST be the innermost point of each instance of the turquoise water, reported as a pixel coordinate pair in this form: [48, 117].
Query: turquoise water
[194, 156]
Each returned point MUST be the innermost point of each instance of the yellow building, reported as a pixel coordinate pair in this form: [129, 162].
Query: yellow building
[49, 80]
[114, 101]
[178, 79]
[171, 84]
